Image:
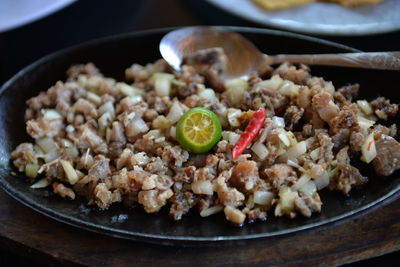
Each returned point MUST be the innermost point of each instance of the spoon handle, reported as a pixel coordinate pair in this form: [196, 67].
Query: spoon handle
[369, 60]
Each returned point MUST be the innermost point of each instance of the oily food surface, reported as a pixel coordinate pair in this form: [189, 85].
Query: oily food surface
[115, 142]
[282, 4]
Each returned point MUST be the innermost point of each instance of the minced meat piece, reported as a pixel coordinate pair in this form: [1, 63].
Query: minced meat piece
[347, 177]
[292, 116]
[383, 108]
[387, 158]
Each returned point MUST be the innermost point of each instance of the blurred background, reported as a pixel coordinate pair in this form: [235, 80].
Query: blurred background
[80, 21]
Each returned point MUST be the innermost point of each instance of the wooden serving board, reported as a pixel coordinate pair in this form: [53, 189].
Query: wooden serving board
[26, 232]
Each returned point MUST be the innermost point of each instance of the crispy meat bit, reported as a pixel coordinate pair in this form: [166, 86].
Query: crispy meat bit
[306, 205]
[292, 116]
[245, 175]
[280, 175]
[289, 72]
[387, 158]
[182, 202]
[347, 177]
[383, 108]
[324, 105]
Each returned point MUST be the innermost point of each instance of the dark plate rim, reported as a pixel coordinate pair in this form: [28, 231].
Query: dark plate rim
[163, 239]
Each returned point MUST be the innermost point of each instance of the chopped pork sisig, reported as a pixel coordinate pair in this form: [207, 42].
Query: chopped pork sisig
[117, 142]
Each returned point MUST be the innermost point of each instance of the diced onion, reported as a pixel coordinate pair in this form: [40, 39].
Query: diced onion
[315, 154]
[94, 98]
[161, 122]
[31, 170]
[153, 134]
[232, 115]
[280, 152]
[175, 112]
[108, 134]
[288, 88]
[128, 90]
[162, 83]
[66, 143]
[72, 152]
[274, 83]
[47, 144]
[233, 138]
[286, 201]
[131, 116]
[284, 138]
[308, 188]
[329, 87]
[278, 121]
[138, 126]
[107, 107]
[236, 83]
[84, 180]
[172, 132]
[260, 150]
[162, 87]
[203, 187]
[234, 215]
[235, 89]
[140, 159]
[104, 121]
[135, 99]
[322, 181]
[365, 123]
[51, 114]
[42, 183]
[178, 83]
[293, 163]
[302, 181]
[37, 149]
[70, 172]
[90, 83]
[159, 140]
[70, 116]
[365, 107]
[87, 160]
[162, 75]
[50, 156]
[368, 149]
[292, 138]
[208, 94]
[211, 210]
[263, 197]
[225, 135]
[236, 95]
[294, 152]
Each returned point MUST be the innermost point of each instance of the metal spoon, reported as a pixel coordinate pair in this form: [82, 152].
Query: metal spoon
[244, 58]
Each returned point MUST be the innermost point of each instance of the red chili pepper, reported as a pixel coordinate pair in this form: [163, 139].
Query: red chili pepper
[251, 131]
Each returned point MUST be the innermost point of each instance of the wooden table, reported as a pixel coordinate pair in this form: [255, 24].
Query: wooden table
[28, 233]
[36, 238]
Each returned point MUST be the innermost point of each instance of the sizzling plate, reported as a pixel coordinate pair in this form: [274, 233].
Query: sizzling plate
[112, 55]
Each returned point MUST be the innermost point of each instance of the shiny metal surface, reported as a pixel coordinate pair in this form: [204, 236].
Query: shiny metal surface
[244, 58]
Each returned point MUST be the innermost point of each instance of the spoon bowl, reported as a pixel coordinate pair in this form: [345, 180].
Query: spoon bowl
[182, 42]
[243, 58]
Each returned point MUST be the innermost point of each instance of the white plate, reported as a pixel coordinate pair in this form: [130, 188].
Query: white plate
[321, 18]
[15, 13]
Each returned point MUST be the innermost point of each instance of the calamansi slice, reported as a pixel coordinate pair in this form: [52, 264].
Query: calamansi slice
[198, 130]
